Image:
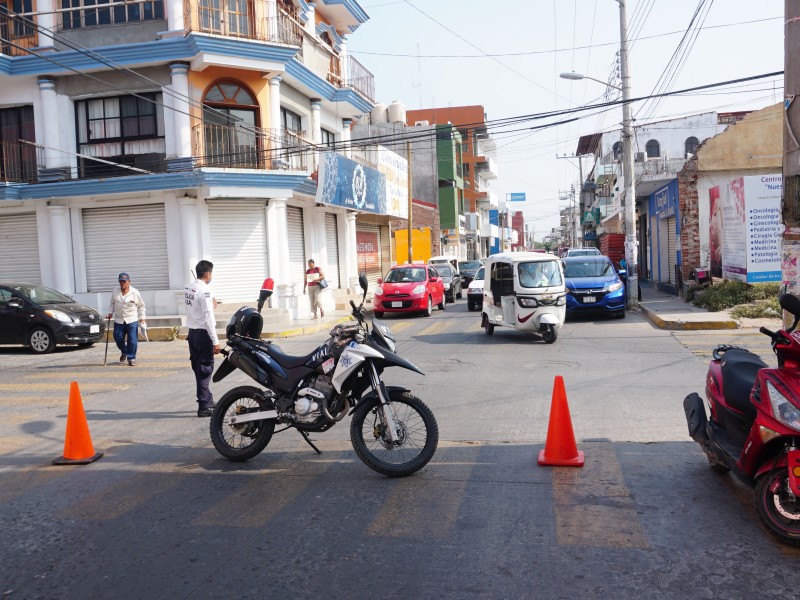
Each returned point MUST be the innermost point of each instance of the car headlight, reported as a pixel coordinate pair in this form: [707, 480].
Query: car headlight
[528, 302]
[615, 286]
[561, 301]
[783, 410]
[379, 291]
[60, 316]
[447, 286]
[420, 289]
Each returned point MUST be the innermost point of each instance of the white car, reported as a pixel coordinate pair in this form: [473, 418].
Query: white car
[475, 291]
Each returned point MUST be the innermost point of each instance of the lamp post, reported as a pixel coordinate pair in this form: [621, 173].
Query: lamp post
[631, 243]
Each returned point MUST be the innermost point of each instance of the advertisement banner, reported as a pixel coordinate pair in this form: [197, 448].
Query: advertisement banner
[344, 182]
[368, 250]
[752, 228]
[395, 169]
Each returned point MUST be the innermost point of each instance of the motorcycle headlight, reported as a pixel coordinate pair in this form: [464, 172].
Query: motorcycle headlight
[58, 315]
[561, 301]
[528, 302]
[615, 286]
[379, 291]
[783, 410]
[420, 289]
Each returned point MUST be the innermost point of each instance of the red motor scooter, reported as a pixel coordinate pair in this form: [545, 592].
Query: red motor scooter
[754, 425]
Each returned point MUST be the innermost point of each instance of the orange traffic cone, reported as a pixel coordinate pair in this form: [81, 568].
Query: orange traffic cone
[78, 448]
[560, 449]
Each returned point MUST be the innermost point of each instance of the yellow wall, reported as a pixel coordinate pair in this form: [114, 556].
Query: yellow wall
[200, 80]
[421, 245]
[759, 134]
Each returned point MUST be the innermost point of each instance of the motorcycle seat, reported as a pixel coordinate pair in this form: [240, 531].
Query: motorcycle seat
[739, 371]
[285, 360]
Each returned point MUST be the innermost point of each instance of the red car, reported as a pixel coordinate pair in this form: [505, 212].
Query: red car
[409, 288]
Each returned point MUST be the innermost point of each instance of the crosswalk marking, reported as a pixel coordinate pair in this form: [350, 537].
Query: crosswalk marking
[426, 505]
[435, 328]
[96, 387]
[105, 374]
[266, 493]
[399, 325]
[592, 505]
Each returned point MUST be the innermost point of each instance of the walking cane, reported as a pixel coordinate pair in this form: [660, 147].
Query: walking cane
[105, 358]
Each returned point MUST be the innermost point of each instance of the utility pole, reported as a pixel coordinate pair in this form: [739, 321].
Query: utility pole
[631, 244]
[410, 206]
[575, 212]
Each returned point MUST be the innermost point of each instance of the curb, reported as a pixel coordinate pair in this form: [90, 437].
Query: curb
[316, 328]
[677, 325]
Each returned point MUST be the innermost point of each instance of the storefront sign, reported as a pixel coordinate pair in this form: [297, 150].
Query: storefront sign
[368, 250]
[344, 182]
[516, 197]
[395, 169]
[665, 204]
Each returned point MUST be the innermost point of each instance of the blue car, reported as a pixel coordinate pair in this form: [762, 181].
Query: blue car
[593, 286]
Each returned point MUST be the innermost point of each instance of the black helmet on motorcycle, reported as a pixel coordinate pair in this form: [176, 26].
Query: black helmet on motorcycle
[245, 322]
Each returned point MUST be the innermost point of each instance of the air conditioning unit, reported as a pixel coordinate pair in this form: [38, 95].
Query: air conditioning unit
[421, 124]
[639, 157]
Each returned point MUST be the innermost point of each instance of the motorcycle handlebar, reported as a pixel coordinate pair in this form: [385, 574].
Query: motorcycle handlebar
[766, 331]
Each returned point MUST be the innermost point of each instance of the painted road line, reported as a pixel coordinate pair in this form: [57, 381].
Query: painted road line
[104, 374]
[426, 505]
[398, 325]
[151, 362]
[435, 328]
[93, 387]
[264, 494]
[14, 400]
[13, 443]
[592, 505]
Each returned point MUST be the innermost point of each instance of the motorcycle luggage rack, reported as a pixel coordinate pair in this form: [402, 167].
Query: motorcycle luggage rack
[723, 348]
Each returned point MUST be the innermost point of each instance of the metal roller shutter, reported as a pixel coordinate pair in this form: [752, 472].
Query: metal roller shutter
[19, 249]
[332, 244]
[297, 245]
[238, 249]
[672, 249]
[126, 238]
[368, 247]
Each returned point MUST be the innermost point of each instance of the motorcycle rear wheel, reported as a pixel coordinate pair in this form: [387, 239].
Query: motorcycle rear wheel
[241, 442]
[417, 430]
[777, 510]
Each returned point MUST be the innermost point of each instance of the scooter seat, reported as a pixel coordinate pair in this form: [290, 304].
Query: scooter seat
[739, 371]
[285, 360]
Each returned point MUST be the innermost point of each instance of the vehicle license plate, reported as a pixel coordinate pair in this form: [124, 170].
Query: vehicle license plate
[94, 328]
[589, 299]
[397, 305]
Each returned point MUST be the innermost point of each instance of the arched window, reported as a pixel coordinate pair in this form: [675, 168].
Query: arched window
[230, 122]
[691, 144]
[653, 149]
[617, 150]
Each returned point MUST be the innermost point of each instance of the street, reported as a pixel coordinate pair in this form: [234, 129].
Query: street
[162, 515]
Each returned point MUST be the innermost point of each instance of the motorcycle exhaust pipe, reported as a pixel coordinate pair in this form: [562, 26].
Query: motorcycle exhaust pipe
[338, 417]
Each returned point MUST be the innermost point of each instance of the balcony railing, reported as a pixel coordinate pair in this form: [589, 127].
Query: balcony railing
[16, 34]
[654, 167]
[19, 163]
[242, 19]
[360, 79]
[233, 146]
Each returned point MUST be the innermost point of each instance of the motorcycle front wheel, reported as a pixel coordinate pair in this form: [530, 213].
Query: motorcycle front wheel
[778, 508]
[246, 440]
[417, 433]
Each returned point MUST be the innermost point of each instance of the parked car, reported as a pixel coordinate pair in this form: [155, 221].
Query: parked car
[452, 282]
[40, 318]
[409, 288]
[593, 286]
[475, 290]
[468, 269]
[582, 252]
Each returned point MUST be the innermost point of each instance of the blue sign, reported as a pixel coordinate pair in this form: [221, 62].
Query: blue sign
[517, 197]
[344, 182]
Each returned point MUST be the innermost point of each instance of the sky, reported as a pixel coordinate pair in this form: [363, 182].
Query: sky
[507, 56]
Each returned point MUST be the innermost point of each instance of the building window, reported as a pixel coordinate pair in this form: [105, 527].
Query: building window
[617, 150]
[92, 13]
[230, 121]
[691, 144]
[127, 130]
[291, 121]
[653, 149]
[17, 160]
[328, 138]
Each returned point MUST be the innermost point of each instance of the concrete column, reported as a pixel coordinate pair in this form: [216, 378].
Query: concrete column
[175, 15]
[278, 239]
[350, 263]
[316, 130]
[345, 65]
[181, 122]
[46, 19]
[275, 117]
[170, 138]
[187, 208]
[61, 245]
[311, 23]
[49, 121]
[346, 124]
[270, 8]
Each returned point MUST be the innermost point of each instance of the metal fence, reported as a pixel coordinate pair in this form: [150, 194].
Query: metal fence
[19, 163]
[243, 19]
[360, 78]
[234, 146]
[16, 34]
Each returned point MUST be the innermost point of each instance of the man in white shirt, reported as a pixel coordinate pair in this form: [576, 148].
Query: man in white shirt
[128, 309]
[203, 340]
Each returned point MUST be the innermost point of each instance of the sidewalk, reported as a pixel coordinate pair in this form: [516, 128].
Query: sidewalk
[306, 326]
[671, 312]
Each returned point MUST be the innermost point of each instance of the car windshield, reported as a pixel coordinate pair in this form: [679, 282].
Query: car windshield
[445, 272]
[405, 274]
[588, 268]
[469, 265]
[583, 253]
[41, 295]
[479, 274]
[539, 274]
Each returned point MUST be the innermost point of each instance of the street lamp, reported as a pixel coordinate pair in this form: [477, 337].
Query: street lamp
[631, 243]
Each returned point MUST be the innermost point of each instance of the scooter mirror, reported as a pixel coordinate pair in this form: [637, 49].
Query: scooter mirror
[791, 304]
[362, 281]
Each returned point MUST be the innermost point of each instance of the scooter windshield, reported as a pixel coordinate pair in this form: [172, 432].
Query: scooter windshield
[539, 274]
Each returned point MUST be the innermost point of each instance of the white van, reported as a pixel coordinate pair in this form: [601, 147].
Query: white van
[446, 259]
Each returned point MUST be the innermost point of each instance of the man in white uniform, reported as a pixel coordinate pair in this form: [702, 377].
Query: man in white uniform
[203, 340]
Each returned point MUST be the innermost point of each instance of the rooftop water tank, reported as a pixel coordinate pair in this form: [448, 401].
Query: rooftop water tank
[378, 114]
[397, 112]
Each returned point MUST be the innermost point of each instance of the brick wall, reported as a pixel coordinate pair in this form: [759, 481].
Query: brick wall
[689, 216]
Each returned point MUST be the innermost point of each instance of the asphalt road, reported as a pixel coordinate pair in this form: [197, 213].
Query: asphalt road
[162, 515]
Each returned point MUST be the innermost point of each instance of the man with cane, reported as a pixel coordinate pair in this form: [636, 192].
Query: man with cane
[127, 308]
